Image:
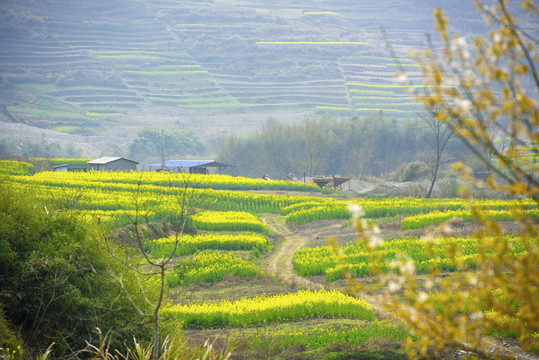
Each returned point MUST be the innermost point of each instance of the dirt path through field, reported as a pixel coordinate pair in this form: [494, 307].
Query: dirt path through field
[280, 261]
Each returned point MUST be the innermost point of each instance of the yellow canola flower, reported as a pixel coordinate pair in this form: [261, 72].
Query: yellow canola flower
[281, 307]
[13, 167]
[228, 220]
[358, 260]
[212, 267]
[437, 217]
[255, 239]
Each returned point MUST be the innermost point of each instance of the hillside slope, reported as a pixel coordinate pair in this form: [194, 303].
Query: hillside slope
[108, 68]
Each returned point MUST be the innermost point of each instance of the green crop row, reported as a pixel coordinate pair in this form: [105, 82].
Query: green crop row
[320, 212]
[355, 333]
[210, 267]
[228, 221]
[438, 217]
[167, 180]
[164, 201]
[189, 244]
[358, 260]
[307, 211]
[115, 218]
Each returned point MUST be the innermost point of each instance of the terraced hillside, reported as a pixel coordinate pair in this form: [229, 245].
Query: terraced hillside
[214, 67]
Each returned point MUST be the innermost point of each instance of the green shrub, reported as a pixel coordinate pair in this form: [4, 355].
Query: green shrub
[54, 276]
[414, 171]
[8, 337]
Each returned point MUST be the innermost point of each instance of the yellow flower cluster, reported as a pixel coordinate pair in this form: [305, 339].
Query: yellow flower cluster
[358, 260]
[12, 167]
[210, 267]
[157, 192]
[265, 309]
[228, 221]
[438, 217]
[189, 244]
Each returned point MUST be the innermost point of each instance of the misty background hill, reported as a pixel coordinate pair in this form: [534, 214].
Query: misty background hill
[97, 72]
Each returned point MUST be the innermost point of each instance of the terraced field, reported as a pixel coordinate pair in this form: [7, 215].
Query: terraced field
[83, 67]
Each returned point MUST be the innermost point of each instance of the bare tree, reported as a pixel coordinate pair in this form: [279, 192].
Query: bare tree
[441, 133]
[150, 267]
[477, 85]
[489, 83]
[276, 146]
[313, 145]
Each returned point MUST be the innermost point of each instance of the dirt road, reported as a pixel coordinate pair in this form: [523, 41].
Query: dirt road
[280, 264]
[280, 261]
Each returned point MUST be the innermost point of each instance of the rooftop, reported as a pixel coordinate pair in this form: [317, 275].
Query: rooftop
[107, 160]
[191, 163]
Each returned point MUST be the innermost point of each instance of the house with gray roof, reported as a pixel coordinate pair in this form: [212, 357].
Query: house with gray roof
[113, 164]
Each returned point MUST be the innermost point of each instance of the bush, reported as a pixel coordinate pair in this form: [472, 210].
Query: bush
[8, 338]
[414, 171]
[54, 277]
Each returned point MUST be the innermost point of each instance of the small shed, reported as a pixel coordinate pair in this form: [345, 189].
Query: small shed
[61, 168]
[190, 166]
[113, 164]
[330, 181]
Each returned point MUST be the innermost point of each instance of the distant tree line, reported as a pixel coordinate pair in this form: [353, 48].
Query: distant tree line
[41, 148]
[374, 145]
[150, 142]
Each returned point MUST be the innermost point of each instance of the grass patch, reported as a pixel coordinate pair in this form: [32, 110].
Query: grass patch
[104, 114]
[66, 129]
[320, 339]
[231, 288]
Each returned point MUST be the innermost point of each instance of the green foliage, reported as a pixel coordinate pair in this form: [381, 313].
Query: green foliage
[148, 143]
[327, 146]
[8, 338]
[361, 261]
[46, 164]
[228, 221]
[323, 212]
[190, 244]
[317, 336]
[54, 276]
[438, 217]
[27, 149]
[16, 353]
[210, 267]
